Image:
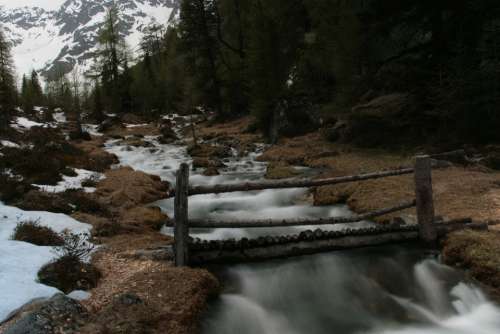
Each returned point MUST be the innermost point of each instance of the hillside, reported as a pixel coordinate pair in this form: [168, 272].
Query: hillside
[44, 39]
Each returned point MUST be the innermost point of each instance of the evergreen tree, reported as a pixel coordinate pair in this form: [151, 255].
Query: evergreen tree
[111, 57]
[97, 107]
[36, 87]
[7, 82]
[27, 96]
[197, 28]
[276, 37]
[124, 89]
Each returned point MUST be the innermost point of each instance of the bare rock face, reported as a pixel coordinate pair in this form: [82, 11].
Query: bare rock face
[59, 314]
[125, 188]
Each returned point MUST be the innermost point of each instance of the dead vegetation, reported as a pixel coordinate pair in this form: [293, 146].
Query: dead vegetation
[36, 234]
[70, 271]
[169, 300]
[478, 253]
[278, 170]
[46, 155]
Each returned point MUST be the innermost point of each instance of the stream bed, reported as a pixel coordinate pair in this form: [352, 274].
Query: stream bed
[393, 289]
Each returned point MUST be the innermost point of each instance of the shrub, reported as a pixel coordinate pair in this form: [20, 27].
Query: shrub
[69, 271]
[12, 189]
[69, 172]
[36, 200]
[34, 233]
[106, 229]
[75, 245]
[84, 202]
[91, 181]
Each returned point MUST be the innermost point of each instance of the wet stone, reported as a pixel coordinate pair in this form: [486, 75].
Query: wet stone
[57, 313]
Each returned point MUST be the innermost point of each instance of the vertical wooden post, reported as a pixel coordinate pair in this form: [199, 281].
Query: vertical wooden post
[424, 198]
[181, 228]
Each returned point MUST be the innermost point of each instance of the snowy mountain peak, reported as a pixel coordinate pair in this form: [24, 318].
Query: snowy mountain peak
[55, 39]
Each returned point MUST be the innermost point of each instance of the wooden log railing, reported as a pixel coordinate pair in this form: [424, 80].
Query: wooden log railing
[304, 183]
[423, 202]
[299, 222]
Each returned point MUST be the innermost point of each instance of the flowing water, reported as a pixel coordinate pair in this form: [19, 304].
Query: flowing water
[393, 289]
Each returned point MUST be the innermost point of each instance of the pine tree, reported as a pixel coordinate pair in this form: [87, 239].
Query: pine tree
[27, 97]
[36, 87]
[7, 82]
[198, 33]
[124, 89]
[276, 36]
[97, 107]
[111, 57]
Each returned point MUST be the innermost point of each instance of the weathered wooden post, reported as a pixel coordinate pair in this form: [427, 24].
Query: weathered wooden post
[424, 198]
[181, 228]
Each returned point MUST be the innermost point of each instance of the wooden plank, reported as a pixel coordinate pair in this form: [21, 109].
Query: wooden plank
[181, 227]
[425, 200]
[304, 183]
[300, 222]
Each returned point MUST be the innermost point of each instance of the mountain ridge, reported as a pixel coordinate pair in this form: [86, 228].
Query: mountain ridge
[51, 41]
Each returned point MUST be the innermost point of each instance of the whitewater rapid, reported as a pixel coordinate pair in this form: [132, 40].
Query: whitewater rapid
[383, 290]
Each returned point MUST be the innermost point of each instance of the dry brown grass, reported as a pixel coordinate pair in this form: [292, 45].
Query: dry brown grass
[172, 298]
[478, 252]
[459, 192]
[36, 234]
[278, 170]
[124, 188]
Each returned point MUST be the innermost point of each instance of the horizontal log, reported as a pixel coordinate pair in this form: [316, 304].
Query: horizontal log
[457, 153]
[304, 247]
[300, 222]
[303, 183]
[299, 248]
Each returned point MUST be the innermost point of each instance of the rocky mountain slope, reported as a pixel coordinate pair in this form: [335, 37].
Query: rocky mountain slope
[47, 39]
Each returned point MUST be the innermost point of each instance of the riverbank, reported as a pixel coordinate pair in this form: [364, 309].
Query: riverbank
[461, 191]
[141, 290]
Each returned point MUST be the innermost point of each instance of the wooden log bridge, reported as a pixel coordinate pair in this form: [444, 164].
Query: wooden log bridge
[186, 251]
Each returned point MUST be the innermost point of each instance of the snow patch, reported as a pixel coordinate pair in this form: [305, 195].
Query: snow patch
[79, 295]
[73, 182]
[59, 117]
[92, 129]
[20, 261]
[22, 123]
[7, 143]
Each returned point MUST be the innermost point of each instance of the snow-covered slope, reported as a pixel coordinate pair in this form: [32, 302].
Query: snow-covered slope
[47, 38]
